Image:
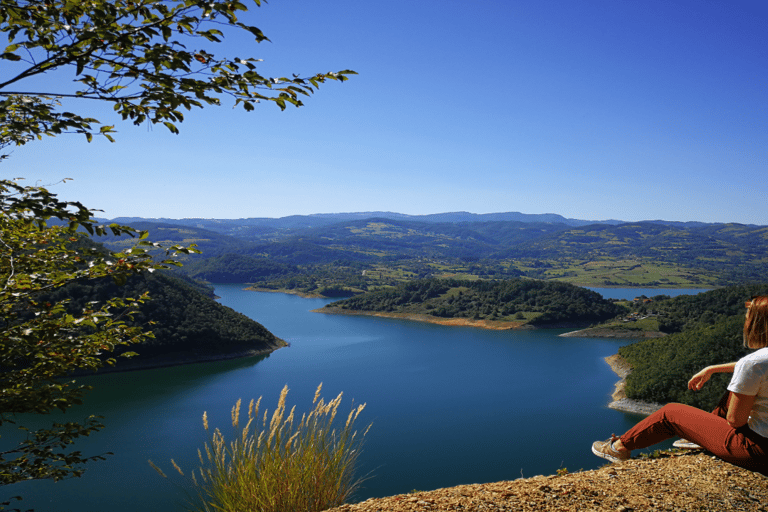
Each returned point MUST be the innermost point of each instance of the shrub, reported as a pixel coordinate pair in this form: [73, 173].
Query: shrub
[280, 465]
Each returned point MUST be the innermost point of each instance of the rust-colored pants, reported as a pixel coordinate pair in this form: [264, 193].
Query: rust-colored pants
[739, 446]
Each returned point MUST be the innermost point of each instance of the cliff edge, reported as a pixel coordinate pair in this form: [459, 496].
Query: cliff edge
[680, 481]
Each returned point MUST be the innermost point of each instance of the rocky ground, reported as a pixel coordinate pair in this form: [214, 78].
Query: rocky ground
[680, 482]
[461, 322]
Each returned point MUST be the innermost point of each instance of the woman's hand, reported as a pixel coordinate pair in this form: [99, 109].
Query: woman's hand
[697, 381]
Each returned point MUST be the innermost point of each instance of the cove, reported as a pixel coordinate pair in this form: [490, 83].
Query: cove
[449, 405]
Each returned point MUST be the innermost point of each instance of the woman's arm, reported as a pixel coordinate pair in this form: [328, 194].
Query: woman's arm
[698, 380]
[739, 407]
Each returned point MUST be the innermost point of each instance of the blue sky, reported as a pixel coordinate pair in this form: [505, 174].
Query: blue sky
[592, 109]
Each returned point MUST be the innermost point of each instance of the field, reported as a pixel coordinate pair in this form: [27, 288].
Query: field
[621, 273]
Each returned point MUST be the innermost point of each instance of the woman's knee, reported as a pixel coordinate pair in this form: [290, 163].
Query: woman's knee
[682, 414]
[675, 409]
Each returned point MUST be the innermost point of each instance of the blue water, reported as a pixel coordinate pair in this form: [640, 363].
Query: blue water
[631, 293]
[448, 405]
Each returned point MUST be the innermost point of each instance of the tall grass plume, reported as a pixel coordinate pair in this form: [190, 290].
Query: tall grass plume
[278, 463]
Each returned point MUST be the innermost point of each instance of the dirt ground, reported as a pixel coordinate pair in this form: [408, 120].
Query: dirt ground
[687, 481]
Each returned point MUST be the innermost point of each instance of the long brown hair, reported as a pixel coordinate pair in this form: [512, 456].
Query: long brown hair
[756, 323]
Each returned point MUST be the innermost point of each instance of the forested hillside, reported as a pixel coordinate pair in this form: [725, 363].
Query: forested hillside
[707, 329]
[515, 300]
[661, 367]
[188, 325]
[236, 268]
[686, 311]
[212, 243]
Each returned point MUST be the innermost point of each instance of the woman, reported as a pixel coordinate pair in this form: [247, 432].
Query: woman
[737, 430]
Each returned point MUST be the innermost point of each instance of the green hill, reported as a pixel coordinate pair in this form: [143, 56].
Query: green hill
[212, 243]
[518, 301]
[236, 268]
[188, 325]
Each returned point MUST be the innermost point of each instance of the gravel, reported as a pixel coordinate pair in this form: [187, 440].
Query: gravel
[685, 481]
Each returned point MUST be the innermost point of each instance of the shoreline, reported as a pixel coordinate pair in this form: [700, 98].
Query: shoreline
[619, 400]
[494, 325]
[597, 332]
[289, 292]
[166, 361]
[415, 317]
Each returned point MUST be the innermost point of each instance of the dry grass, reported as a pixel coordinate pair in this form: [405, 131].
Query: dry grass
[279, 463]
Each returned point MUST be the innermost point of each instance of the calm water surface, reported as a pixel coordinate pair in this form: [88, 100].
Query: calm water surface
[449, 405]
[631, 293]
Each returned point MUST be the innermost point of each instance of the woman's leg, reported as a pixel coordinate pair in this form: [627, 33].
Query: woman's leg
[672, 420]
[708, 430]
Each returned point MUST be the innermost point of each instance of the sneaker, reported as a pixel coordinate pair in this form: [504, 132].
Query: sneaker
[686, 445]
[605, 450]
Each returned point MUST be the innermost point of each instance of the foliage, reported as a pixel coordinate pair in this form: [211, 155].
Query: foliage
[283, 465]
[680, 313]
[337, 279]
[42, 340]
[494, 300]
[137, 55]
[335, 291]
[151, 60]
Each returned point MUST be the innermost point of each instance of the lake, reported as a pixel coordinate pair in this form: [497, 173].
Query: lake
[448, 405]
[631, 293]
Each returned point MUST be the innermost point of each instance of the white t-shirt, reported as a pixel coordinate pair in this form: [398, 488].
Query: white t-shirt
[750, 377]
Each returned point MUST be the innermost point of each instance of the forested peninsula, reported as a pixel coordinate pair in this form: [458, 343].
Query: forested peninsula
[513, 303]
[188, 325]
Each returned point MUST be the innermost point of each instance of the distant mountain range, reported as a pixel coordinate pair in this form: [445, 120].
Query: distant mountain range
[325, 219]
[541, 246]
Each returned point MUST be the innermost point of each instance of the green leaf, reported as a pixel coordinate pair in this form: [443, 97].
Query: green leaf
[171, 127]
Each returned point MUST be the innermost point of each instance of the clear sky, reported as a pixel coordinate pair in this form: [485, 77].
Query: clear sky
[592, 109]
